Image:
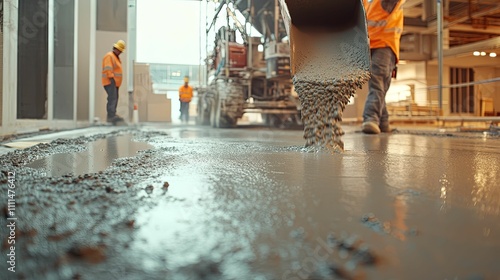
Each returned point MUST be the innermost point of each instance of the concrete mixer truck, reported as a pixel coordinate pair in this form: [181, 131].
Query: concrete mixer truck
[298, 38]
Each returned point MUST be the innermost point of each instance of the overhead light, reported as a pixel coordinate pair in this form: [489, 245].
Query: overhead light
[476, 53]
[483, 53]
[402, 62]
[493, 54]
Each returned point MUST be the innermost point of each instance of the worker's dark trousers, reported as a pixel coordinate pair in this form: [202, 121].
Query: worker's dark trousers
[112, 92]
[383, 61]
[184, 111]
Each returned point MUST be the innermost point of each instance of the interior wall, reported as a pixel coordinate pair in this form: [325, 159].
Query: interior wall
[112, 15]
[82, 113]
[485, 90]
[407, 78]
[420, 85]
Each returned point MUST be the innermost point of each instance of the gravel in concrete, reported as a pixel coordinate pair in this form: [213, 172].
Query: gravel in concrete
[253, 204]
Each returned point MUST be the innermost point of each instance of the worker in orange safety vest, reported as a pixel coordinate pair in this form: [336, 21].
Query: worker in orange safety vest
[385, 25]
[185, 96]
[112, 77]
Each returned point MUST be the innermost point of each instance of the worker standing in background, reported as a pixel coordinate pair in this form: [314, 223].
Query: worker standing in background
[385, 25]
[185, 96]
[112, 76]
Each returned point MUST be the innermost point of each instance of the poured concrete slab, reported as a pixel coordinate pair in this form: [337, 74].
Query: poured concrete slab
[97, 156]
[250, 203]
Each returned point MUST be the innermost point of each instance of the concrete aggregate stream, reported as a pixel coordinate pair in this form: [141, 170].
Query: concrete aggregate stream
[323, 103]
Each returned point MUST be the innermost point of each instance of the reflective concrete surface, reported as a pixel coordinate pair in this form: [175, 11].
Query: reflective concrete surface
[258, 204]
[96, 157]
[250, 203]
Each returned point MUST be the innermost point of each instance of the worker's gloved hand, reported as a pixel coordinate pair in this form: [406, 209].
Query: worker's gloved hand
[112, 80]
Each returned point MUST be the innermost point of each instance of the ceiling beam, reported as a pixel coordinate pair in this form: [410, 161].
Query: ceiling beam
[490, 2]
[493, 10]
[468, 28]
[458, 27]
[489, 44]
[431, 27]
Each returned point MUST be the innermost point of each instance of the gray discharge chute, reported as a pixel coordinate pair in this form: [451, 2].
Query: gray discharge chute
[326, 35]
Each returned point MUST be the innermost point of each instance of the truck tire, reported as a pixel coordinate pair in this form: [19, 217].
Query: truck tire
[227, 104]
[213, 112]
[221, 119]
[203, 117]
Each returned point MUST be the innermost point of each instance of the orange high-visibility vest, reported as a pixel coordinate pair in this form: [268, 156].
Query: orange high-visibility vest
[185, 93]
[111, 68]
[384, 29]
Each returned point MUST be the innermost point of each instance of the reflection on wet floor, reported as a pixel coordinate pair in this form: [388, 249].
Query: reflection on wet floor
[98, 156]
[266, 211]
[390, 207]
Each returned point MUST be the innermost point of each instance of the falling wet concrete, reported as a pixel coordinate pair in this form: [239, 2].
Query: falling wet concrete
[252, 204]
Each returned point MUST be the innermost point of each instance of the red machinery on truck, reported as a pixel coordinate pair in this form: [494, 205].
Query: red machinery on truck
[249, 77]
[242, 78]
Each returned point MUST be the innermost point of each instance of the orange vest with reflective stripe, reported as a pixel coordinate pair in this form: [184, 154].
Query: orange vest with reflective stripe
[384, 29]
[185, 93]
[111, 68]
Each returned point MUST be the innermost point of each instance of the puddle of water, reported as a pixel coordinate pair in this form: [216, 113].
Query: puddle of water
[98, 156]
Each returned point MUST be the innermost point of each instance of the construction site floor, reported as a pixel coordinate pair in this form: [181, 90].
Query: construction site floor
[165, 201]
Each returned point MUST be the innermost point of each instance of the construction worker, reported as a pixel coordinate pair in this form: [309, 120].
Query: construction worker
[385, 25]
[112, 76]
[185, 96]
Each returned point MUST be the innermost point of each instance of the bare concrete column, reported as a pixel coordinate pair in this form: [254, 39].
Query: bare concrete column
[9, 87]
[82, 82]
[92, 60]
[131, 52]
[50, 73]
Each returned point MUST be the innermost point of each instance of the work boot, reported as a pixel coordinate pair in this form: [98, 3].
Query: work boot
[119, 119]
[115, 119]
[370, 128]
[385, 128]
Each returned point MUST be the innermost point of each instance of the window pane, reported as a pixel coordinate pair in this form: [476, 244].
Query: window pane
[112, 15]
[32, 63]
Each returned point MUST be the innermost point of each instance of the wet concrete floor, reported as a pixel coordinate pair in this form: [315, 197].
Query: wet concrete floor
[97, 156]
[250, 203]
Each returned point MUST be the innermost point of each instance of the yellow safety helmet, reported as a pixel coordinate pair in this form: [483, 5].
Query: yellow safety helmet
[120, 45]
[186, 79]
